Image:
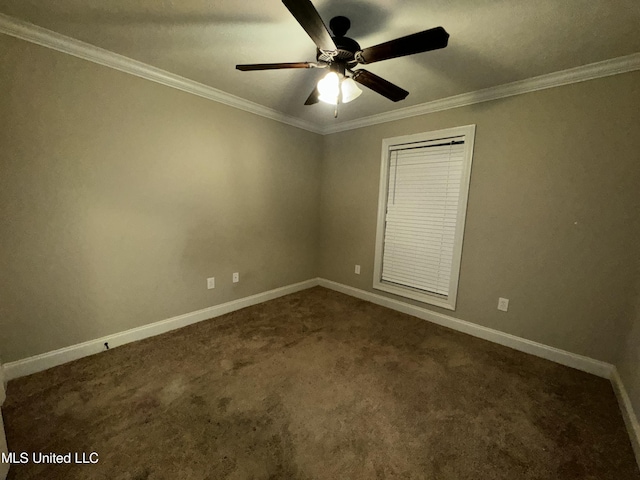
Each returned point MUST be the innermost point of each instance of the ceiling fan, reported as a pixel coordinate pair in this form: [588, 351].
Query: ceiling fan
[341, 54]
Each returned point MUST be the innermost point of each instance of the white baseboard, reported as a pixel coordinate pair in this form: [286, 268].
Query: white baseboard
[38, 363]
[586, 364]
[629, 415]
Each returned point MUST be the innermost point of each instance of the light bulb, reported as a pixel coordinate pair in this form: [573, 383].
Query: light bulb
[350, 90]
[329, 88]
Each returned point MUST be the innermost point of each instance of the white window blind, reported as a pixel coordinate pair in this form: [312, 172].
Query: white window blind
[422, 204]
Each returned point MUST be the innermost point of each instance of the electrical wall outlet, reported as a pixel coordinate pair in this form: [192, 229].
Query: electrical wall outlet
[357, 269]
[236, 277]
[211, 283]
[503, 304]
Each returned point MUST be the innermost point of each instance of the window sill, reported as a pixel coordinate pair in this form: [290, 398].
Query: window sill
[448, 303]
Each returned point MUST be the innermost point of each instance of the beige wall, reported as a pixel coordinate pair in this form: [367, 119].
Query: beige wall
[119, 196]
[550, 223]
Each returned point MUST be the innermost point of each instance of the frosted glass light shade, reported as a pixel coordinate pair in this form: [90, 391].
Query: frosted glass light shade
[350, 90]
[329, 88]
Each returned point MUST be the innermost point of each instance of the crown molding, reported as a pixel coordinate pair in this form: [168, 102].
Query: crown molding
[41, 36]
[56, 41]
[614, 66]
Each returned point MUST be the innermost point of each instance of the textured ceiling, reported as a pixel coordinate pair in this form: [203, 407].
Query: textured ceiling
[492, 42]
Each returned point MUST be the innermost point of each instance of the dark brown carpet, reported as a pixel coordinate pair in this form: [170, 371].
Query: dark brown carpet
[318, 385]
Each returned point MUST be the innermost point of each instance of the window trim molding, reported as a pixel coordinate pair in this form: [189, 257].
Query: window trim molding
[450, 302]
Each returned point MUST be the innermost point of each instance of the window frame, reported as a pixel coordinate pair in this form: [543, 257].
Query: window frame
[449, 302]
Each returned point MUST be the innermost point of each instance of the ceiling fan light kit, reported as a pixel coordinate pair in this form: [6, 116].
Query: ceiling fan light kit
[335, 87]
[340, 54]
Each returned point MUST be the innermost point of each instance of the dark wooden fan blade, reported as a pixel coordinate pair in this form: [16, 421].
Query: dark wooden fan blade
[274, 66]
[309, 18]
[380, 85]
[314, 97]
[432, 39]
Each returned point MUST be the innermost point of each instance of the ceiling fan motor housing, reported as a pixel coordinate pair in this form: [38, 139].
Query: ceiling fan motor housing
[347, 47]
